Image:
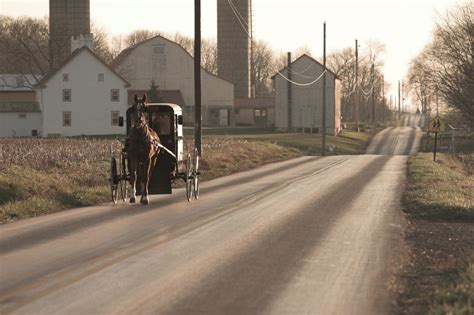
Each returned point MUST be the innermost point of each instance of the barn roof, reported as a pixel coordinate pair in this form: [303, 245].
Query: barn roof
[127, 51]
[312, 59]
[18, 82]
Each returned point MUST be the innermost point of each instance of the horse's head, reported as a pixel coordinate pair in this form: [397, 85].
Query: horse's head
[139, 109]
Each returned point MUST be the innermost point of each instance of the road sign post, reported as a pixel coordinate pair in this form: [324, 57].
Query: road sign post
[436, 125]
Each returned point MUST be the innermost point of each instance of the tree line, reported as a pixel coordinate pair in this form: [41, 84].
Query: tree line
[24, 49]
[445, 67]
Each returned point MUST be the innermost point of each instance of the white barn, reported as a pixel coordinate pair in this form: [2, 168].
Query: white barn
[306, 101]
[84, 96]
[171, 67]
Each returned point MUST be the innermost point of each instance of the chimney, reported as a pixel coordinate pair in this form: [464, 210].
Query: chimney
[82, 40]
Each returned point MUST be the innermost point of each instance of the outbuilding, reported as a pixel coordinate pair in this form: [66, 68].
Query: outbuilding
[20, 114]
[298, 105]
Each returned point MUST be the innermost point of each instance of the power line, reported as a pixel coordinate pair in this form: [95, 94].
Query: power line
[237, 14]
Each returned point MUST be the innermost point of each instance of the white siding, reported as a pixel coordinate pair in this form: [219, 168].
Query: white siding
[12, 126]
[90, 105]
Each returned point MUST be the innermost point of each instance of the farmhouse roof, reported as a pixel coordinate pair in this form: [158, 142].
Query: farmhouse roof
[71, 57]
[312, 59]
[127, 51]
[25, 107]
[164, 96]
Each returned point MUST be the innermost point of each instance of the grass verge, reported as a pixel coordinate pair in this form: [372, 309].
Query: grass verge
[437, 277]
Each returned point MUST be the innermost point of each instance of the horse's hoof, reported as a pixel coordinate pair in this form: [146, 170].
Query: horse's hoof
[132, 200]
[144, 201]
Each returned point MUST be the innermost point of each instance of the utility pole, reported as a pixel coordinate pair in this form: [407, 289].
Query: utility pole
[357, 87]
[373, 95]
[384, 109]
[197, 77]
[399, 112]
[289, 92]
[403, 98]
[323, 142]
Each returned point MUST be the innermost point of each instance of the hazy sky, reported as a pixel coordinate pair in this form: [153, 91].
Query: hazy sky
[404, 26]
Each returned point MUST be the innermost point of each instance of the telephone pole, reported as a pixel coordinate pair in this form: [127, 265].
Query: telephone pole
[197, 76]
[357, 87]
[290, 117]
[323, 142]
[373, 95]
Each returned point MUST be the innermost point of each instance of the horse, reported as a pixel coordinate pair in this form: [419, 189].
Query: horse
[143, 146]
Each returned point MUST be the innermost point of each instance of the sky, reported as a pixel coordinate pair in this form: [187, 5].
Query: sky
[403, 26]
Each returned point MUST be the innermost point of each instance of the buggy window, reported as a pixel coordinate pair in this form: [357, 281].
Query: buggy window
[162, 123]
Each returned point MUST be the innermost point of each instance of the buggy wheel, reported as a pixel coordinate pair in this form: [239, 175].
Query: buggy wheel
[114, 180]
[195, 174]
[187, 178]
[123, 177]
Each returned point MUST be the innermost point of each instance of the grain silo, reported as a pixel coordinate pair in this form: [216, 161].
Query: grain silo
[234, 46]
[67, 18]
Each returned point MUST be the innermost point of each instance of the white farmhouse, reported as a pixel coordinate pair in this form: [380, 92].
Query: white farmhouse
[20, 114]
[84, 96]
[305, 110]
[171, 67]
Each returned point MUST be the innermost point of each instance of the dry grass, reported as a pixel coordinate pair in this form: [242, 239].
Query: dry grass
[39, 176]
[439, 198]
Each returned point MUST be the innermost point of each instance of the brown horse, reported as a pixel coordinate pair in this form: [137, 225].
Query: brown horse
[143, 148]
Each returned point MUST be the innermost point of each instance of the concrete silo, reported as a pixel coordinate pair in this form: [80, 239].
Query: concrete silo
[67, 18]
[234, 46]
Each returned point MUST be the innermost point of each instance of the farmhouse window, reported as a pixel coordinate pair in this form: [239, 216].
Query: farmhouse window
[115, 118]
[22, 116]
[66, 95]
[66, 118]
[114, 95]
[100, 78]
[65, 77]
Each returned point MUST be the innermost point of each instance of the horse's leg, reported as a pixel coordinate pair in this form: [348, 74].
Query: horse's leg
[133, 179]
[144, 198]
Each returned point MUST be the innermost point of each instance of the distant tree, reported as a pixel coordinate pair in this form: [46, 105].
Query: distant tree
[24, 46]
[342, 63]
[139, 36]
[447, 63]
[263, 68]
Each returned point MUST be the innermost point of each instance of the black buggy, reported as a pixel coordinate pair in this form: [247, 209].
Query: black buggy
[167, 120]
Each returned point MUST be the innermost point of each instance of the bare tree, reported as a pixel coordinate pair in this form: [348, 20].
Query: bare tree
[24, 46]
[263, 68]
[447, 65]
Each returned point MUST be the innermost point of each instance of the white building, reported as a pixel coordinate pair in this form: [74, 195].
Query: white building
[20, 114]
[171, 67]
[82, 97]
[306, 101]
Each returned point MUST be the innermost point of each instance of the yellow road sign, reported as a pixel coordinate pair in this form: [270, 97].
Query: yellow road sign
[436, 125]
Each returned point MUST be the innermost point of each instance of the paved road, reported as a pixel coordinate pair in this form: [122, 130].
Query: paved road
[311, 235]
